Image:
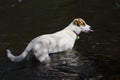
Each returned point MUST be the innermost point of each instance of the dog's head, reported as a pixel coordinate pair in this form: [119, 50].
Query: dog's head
[81, 25]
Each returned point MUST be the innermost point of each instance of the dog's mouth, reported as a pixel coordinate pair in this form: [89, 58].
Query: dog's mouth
[91, 30]
[87, 31]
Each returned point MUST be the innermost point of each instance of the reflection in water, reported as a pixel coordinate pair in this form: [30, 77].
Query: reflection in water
[97, 56]
[64, 66]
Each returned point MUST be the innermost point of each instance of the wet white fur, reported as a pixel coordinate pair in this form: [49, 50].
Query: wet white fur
[43, 45]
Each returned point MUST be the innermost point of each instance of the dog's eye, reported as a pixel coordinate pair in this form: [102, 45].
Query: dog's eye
[83, 23]
[79, 23]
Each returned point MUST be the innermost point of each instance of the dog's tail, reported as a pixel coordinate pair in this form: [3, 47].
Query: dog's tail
[20, 57]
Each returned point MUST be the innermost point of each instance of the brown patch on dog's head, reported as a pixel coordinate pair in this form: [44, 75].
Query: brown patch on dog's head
[80, 22]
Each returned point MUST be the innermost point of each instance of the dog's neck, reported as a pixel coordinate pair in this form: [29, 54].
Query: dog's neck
[75, 33]
[73, 28]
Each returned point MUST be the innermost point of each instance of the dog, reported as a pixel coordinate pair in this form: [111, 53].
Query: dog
[59, 41]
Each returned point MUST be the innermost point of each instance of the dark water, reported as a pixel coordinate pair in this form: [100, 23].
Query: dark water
[23, 20]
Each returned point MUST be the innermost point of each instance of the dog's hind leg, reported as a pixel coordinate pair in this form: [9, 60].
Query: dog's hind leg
[47, 59]
[43, 57]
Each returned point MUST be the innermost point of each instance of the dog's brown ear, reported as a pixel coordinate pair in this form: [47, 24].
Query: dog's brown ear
[80, 22]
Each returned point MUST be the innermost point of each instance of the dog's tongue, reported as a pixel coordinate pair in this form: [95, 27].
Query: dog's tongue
[91, 30]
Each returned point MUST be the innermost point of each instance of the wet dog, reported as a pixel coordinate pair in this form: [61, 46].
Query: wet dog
[59, 41]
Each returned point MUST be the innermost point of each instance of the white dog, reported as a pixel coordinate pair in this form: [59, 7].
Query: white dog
[62, 40]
